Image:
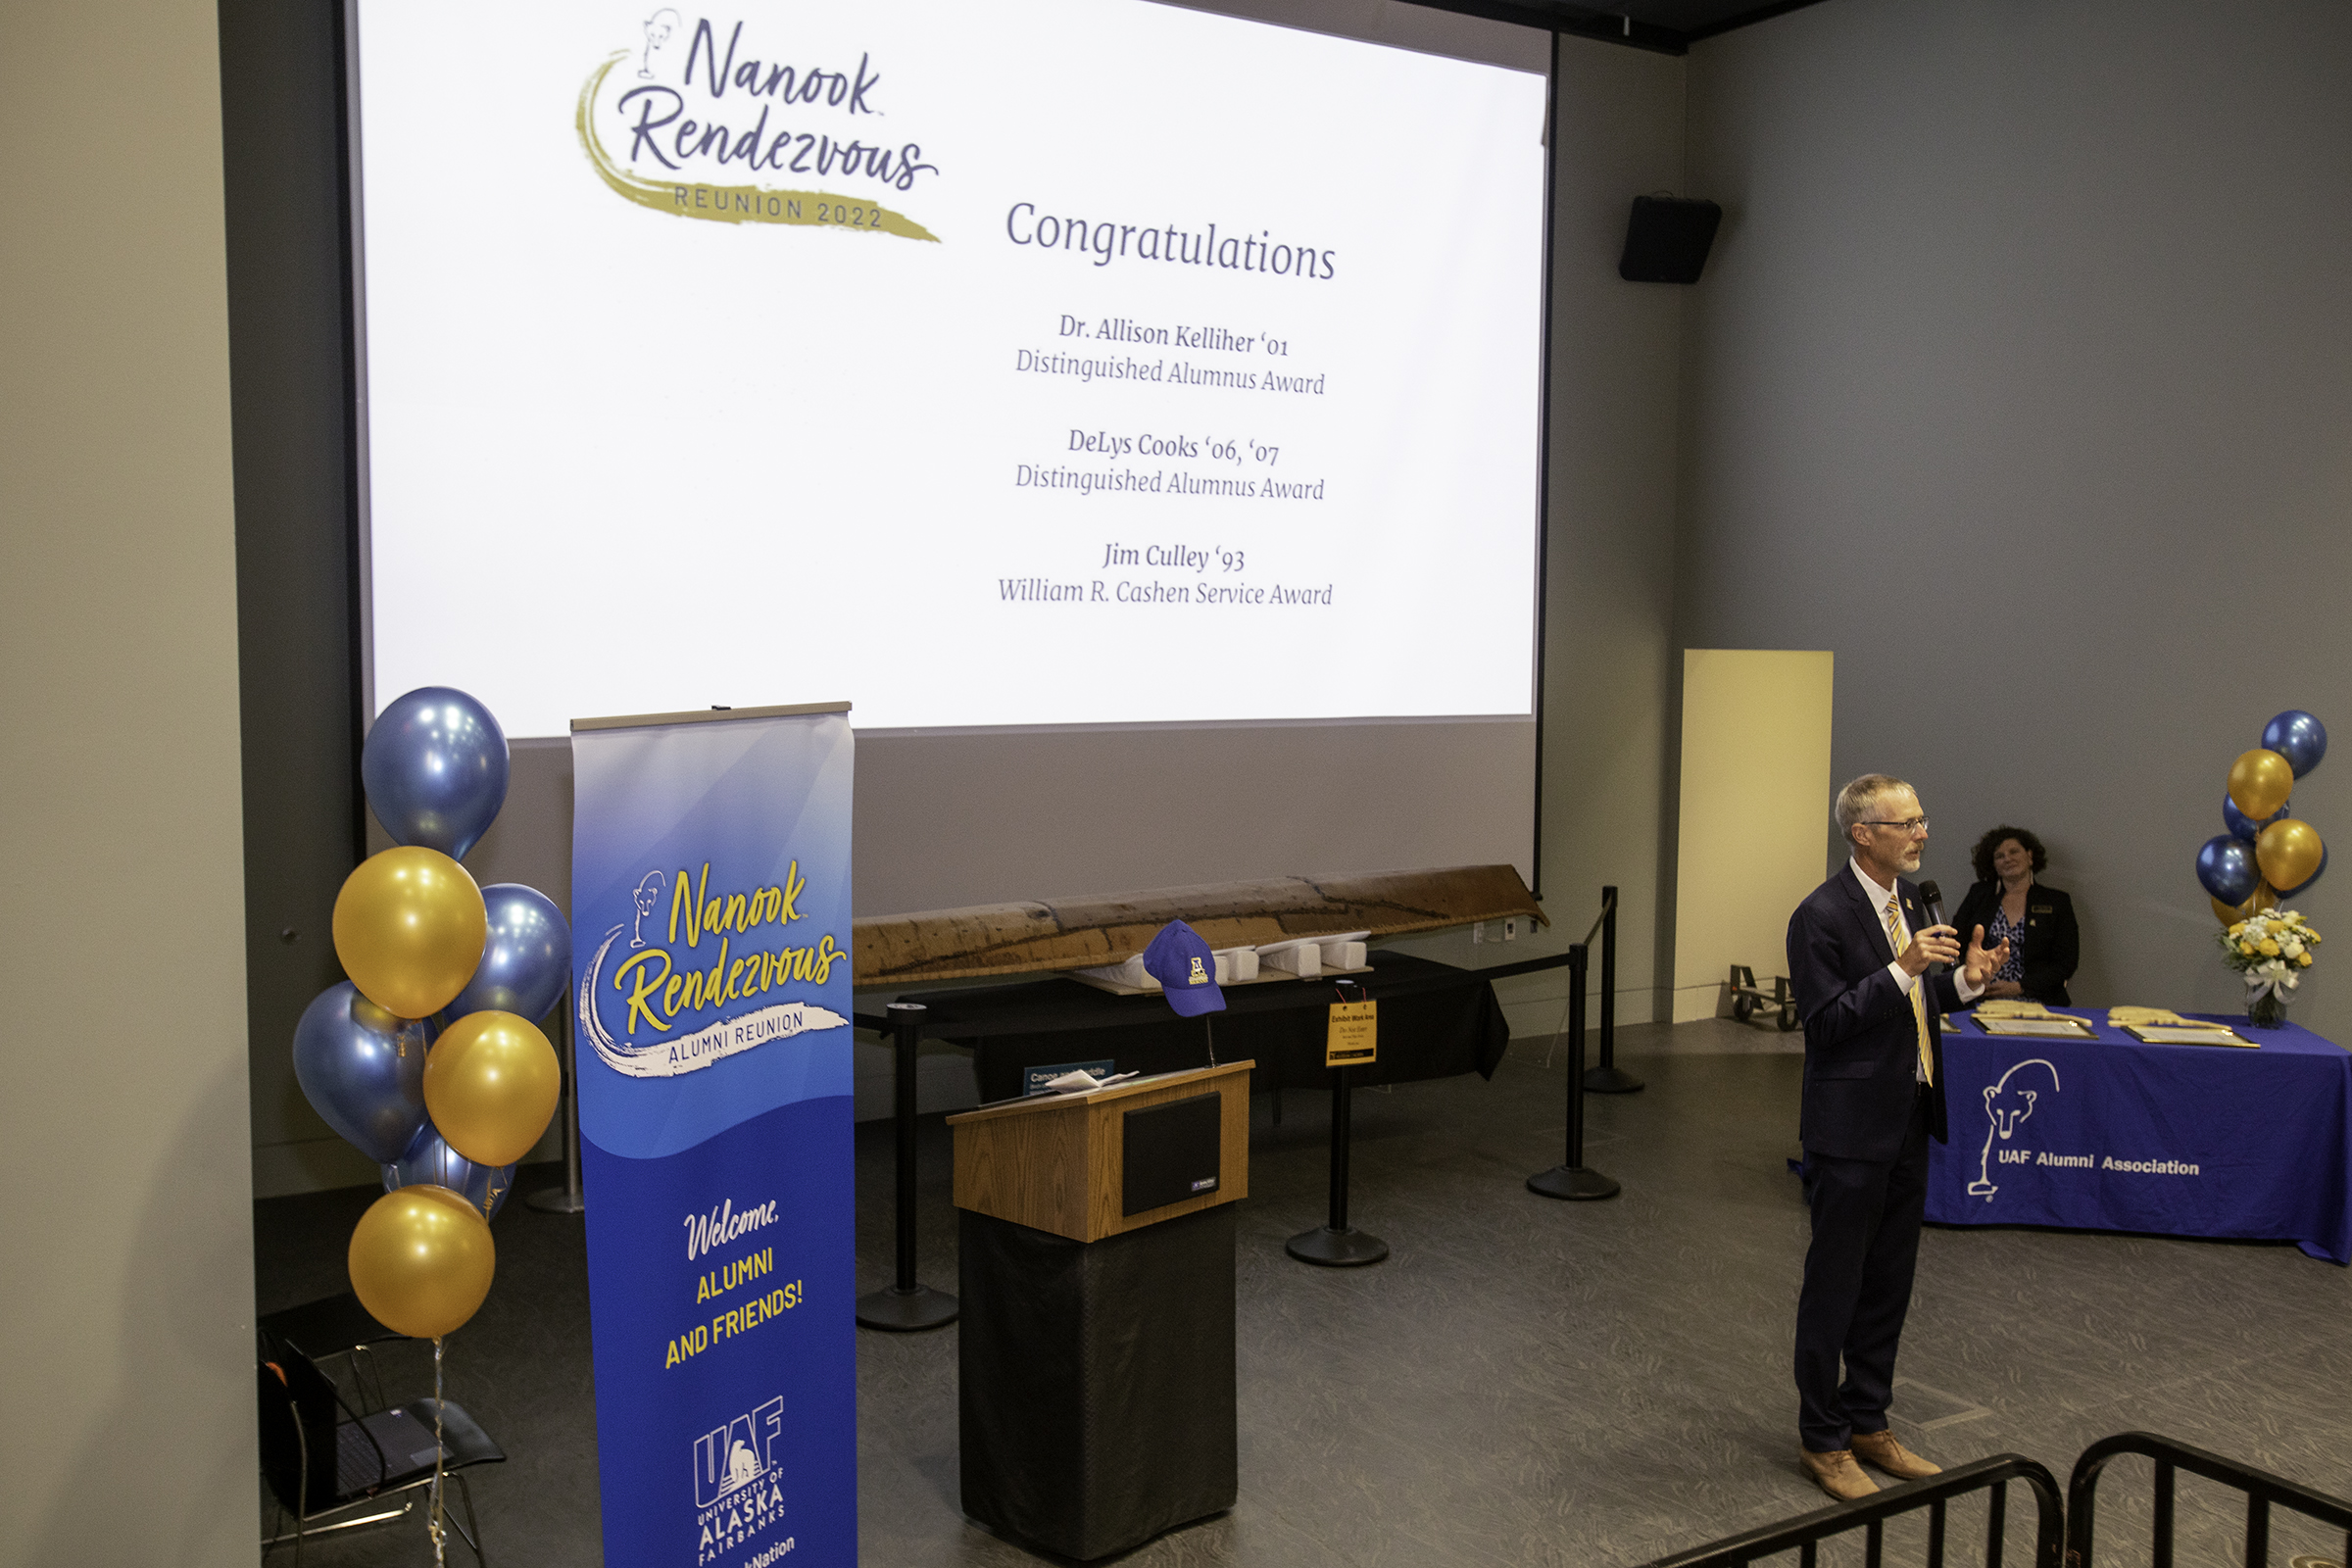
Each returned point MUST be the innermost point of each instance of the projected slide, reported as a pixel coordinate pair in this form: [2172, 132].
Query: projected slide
[984, 362]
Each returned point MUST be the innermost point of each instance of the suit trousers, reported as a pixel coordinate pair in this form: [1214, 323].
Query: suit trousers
[1866, 1219]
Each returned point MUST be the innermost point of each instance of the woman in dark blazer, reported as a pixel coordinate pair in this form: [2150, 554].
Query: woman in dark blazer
[2037, 920]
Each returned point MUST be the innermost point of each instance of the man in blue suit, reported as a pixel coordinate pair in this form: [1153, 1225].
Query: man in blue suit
[1860, 950]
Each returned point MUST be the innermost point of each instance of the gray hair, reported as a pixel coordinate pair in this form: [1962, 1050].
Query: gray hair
[1857, 798]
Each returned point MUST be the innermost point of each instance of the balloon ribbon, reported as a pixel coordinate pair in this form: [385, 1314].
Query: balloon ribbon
[434, 1529]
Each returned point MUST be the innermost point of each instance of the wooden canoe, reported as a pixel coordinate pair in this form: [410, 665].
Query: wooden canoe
[997, 940]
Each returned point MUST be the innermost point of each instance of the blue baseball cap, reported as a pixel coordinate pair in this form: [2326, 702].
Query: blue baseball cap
[1186, 969]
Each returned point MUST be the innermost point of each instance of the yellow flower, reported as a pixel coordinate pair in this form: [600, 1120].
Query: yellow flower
[2268, 948]
[2246, 947]
[2238, 929]
[2305, 960]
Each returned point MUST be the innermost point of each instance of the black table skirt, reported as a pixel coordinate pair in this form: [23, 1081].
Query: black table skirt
[1439, 1021]
[1097, 1380]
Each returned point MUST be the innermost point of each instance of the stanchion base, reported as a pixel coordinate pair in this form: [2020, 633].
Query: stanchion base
[1611, 1080]
[899, 1311]
[1575, 1183]
[1326, 1247]
[555, 1200]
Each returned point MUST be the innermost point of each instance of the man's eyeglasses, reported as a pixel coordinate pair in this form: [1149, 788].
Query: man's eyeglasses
[1915, 826]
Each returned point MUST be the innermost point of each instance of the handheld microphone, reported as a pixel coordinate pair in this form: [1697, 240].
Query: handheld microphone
[1933, 897]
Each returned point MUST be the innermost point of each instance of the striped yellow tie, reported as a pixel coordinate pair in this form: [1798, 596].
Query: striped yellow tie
[1919, 998]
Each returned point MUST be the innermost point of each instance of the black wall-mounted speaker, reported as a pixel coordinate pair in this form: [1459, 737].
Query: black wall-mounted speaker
[1666, 240]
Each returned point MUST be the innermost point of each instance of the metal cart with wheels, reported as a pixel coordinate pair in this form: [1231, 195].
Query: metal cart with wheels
[1747, 998]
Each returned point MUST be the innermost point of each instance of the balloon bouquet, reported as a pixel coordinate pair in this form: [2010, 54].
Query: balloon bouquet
[428, 1060]
[2267, 855]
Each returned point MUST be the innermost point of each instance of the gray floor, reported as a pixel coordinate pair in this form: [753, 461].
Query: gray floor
[1523, 1382]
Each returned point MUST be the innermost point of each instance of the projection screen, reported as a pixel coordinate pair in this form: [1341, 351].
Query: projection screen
[1133, 409]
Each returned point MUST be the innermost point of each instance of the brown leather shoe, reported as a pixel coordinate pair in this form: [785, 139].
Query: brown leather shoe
[1886, 1451]
[1837, 1474]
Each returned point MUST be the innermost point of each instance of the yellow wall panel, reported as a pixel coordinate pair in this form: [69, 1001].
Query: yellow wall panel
[1755, 810]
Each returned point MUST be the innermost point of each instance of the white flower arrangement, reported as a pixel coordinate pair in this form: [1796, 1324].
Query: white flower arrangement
[2271, 951]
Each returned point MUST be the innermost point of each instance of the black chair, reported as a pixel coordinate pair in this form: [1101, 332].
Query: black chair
[335, 1326]
[319, 1464]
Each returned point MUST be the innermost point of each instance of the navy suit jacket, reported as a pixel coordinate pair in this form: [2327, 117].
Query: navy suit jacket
[1861, 1047]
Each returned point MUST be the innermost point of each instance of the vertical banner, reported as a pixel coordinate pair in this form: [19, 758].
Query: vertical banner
[710, 921]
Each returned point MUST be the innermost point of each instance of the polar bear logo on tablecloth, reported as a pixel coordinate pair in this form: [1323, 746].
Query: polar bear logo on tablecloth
[2006, 1105]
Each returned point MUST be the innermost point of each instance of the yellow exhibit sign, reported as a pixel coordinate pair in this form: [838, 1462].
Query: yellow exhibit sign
[1355, 1033]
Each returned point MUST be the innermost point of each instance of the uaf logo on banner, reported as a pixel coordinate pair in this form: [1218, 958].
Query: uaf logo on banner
[735, 1481]
[668, 120]
[632, 1000]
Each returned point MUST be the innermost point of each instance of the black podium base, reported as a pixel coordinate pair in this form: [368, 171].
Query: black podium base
[1097, 1398]
[1326, 1247]
[554, 1200]
[1575, 1184]
[1611, 1080]
[906, 1311]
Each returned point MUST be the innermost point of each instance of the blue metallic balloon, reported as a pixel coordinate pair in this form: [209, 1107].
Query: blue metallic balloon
[2304, 886]
[2242, 826]
[429, 1160]
[2299, 738]
[435, 767]
[361, 1069]
[526, 959]
[2226, 865]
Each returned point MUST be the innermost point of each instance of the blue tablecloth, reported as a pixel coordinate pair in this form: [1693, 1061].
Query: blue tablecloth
[2178, 1139]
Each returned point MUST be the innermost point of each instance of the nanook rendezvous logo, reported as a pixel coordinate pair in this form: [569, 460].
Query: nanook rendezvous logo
[701, 973]
[711, 121]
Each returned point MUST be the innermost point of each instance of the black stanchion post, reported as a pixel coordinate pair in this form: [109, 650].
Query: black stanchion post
[1608, 1078]
[906, 1304]
[1571, 1179]
[1335, 1244]
[565, 1200]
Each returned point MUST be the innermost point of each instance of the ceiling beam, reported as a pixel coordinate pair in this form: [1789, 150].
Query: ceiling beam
[1746, 19]
[1607, 27]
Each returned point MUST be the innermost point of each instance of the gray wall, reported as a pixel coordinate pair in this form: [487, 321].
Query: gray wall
[283, 175]
[128, 1309]
[2022, 377]
[1610, 660]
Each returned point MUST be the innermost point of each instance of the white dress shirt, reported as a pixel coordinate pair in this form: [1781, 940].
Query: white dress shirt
[1904, 979]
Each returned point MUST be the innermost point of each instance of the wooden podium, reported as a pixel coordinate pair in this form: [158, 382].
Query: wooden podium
[1057, 1162]
[1096, 1271]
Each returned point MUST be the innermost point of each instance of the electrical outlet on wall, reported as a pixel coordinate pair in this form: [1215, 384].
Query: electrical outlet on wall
[1510, 929]
[1478, 931]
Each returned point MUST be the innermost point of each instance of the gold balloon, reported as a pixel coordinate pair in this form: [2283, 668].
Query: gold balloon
[422, 1260]
[410, 927]
[2260, 782]
[2264, 900]
[2289, 852]
[490, 1085]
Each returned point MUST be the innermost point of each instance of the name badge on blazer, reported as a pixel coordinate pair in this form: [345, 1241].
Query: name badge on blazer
[2044, 909]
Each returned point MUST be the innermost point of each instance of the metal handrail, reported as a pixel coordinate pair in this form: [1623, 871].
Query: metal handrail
[1804, 1535]
[2262, 1489]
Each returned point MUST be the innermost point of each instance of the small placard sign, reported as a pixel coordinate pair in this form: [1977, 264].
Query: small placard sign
[1353, 1037]
[1035, 1079]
